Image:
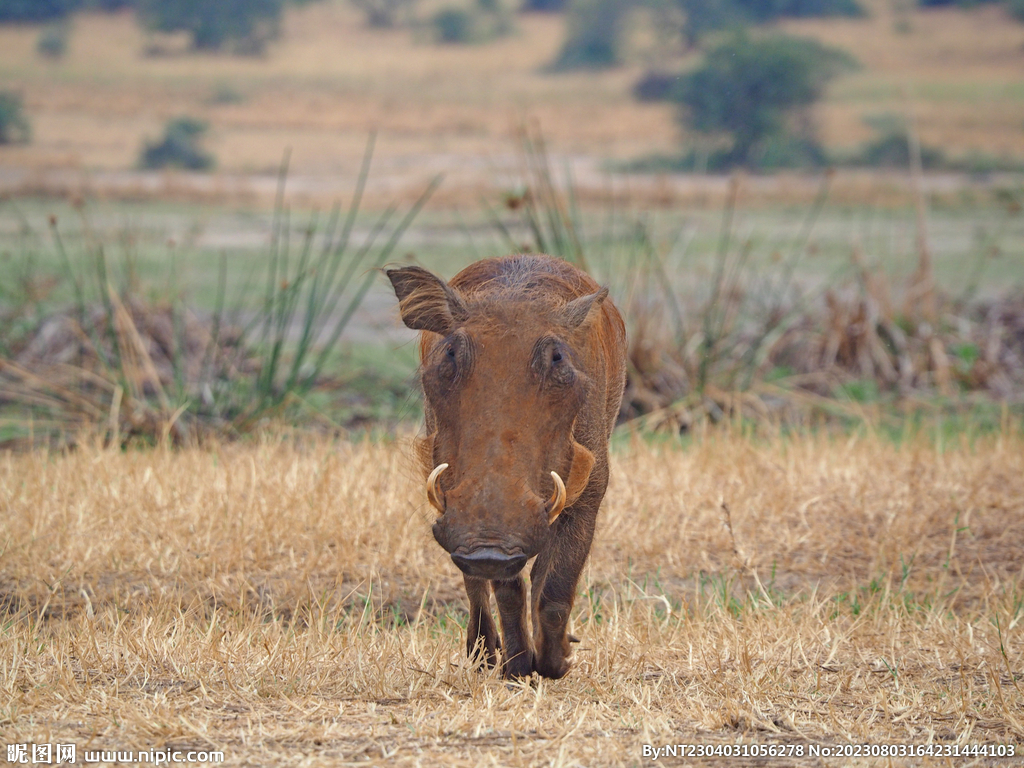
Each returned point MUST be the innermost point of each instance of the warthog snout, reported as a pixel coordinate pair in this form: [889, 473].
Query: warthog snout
[489, 563]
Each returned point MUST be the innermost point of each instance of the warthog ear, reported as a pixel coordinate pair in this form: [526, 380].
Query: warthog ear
[579, 473]
[427, 302]
[576, 312]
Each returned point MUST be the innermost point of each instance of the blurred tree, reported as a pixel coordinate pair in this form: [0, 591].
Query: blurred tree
[748, 90]
[36, 10]
[247, 24]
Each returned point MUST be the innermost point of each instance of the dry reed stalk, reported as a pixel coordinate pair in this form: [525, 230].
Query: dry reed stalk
[920, 300]
[285, 602]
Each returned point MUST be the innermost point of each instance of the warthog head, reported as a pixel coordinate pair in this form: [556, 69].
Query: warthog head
[506, 372]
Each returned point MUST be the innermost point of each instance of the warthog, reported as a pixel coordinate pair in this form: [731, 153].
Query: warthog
[523, 366]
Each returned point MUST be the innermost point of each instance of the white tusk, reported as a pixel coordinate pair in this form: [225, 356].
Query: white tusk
[557, 501]
[434, 491]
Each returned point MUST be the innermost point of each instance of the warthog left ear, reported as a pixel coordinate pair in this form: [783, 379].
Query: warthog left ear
[579, 473]
[427, 302]
[576, 312]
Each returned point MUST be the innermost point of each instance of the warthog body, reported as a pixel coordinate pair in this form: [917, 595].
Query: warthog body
[523, 366]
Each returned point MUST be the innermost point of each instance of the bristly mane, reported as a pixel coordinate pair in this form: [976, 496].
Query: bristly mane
[523, 277]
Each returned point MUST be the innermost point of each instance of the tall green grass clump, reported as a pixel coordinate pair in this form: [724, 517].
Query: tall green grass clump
[749, 339]
[144, 370]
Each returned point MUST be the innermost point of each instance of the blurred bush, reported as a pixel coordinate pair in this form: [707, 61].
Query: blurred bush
[594, 28]
[703, 16]
[111, 5]
[891, 146]
[225, 93]
[385, 14]
[53, 40]
[544, 6]
[179, 148]
[246, 26]
[14, 125]
[484, 20]
[1014, 7]
[892, 150]
[656, 85]
[752, 90]
[961, 3]
[593, 34]
[452, 25]
[767, 10]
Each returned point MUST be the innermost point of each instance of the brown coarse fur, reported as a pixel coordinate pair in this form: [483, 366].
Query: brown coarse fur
[523, 366]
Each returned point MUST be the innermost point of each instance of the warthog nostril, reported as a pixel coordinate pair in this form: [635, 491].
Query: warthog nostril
[489, 563]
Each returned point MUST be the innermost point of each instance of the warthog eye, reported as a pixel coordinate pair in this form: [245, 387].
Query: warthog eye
[452, 361]
[552, 363]
[449, 364]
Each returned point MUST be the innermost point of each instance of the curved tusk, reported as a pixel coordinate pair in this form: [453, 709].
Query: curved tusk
[434, 490]
[557, 501]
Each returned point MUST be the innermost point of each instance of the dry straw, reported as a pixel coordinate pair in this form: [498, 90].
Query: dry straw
[285, 603]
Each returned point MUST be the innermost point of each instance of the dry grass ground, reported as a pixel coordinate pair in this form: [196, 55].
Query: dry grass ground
[288, 606]
[330, 80]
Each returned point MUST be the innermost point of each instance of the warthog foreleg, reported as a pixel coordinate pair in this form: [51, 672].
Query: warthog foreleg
[554, 576]
[516, 652]
[481, 624]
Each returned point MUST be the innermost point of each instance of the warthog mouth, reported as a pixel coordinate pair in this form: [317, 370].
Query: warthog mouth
[489, 562]
[554, 506]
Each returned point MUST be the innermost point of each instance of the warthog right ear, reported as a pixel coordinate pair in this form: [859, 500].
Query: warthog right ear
[427, 302]
[578, 310]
